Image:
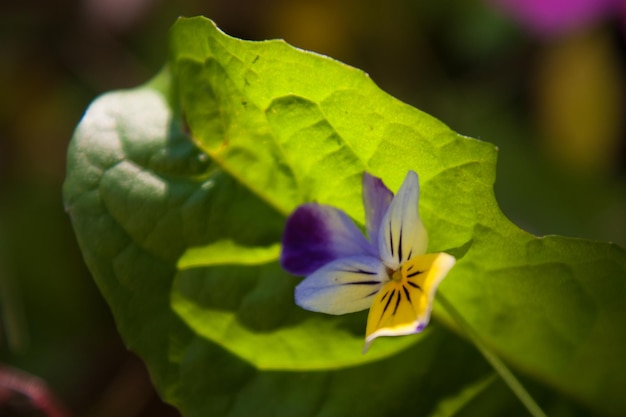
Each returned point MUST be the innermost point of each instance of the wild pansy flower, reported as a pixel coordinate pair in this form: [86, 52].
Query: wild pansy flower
[389, 273]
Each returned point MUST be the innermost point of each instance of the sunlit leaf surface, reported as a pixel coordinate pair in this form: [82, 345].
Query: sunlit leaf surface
[181, 233]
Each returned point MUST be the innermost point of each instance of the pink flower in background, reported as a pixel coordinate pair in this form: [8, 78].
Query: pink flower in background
[555, 17]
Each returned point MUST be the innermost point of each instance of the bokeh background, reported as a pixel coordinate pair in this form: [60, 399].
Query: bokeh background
[544, 80]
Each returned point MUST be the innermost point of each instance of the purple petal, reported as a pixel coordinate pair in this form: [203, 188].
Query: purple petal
[343, 286]
[317, 234]
[376, 200]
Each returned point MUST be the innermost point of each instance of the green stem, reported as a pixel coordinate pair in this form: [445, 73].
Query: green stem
[505, 373]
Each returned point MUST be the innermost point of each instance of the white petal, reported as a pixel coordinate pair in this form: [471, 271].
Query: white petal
[343, 286]
[402, 234]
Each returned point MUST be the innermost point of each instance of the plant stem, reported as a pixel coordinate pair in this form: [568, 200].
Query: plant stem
[505, 373]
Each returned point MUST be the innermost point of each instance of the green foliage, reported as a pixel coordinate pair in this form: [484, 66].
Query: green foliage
[182, 238]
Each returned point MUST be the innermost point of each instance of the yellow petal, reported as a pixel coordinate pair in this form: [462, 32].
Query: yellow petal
[403, 304]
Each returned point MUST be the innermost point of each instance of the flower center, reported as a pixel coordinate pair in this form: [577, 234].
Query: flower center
[397, 275]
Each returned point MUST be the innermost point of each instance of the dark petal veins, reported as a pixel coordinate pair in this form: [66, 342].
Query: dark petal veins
[400, 246]
[397, 303]
[372, 293]
[331, 290]
[388, 301]
[411, 275]
[390, 239]
[406, 292]
[362, 283]
[414, 285]
[384, 296]
[360, 271]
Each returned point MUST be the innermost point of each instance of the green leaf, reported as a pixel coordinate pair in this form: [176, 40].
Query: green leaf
[280, 127]
[138, 193]
[248, 301]
[453, 406]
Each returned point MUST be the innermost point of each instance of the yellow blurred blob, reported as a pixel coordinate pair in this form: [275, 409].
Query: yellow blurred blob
[320, 26]
[580, 102]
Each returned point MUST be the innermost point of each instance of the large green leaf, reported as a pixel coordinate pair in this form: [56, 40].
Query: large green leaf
[281, 126]
[139, 193]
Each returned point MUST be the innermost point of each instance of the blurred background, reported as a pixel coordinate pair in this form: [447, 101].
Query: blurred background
[544, 80]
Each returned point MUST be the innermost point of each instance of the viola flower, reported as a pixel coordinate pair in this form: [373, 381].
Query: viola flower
[389, 273]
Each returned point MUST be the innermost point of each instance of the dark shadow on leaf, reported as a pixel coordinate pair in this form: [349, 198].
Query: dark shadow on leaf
[460, 251]
[259, 296]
